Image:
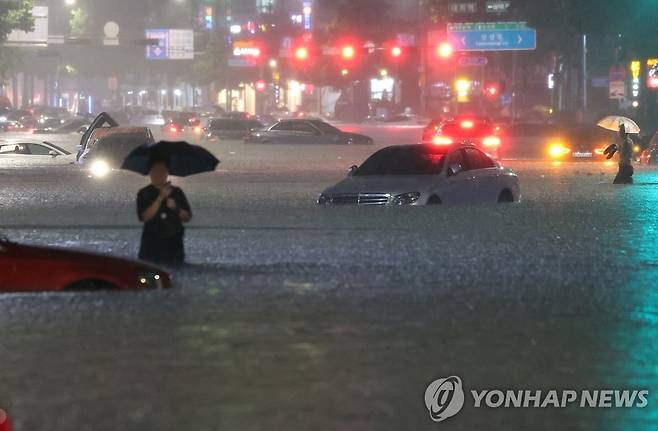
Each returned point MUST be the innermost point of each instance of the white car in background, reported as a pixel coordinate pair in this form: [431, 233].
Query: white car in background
[25, 152]
[425, 174]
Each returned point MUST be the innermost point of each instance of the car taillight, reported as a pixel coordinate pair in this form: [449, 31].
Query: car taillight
[491, 141]
[467, 124]
[172, 129]
[442, 140]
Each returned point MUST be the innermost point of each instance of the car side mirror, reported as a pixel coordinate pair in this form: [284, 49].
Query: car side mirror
[455, 169]
[352, 170]
[53, 153]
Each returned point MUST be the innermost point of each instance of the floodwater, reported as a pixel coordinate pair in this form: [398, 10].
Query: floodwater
[291, 316]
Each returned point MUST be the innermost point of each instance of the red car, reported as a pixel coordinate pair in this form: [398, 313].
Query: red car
[465, 130]
[26, 268]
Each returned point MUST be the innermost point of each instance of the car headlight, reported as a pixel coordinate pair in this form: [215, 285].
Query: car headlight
[151, 280]
[324, 199]
[558, 150]
[99, 168]
[406, 198]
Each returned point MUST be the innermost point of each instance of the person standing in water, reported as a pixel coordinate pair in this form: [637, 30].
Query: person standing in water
[164, 209]
[625, 148]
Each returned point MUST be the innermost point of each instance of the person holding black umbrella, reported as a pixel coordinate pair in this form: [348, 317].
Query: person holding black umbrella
[164, 209]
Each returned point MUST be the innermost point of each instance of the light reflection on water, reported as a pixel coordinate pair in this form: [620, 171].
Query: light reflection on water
[636, 334]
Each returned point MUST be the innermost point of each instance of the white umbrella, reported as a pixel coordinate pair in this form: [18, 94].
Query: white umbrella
[613, 122]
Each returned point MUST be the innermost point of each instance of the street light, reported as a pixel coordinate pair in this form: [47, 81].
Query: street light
[273, 64]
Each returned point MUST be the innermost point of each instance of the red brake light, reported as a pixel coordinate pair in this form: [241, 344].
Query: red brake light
[442, 140]
[467, 124]
[491, 141]
[173, 129]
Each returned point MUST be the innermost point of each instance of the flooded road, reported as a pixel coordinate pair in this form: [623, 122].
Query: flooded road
[291, 316]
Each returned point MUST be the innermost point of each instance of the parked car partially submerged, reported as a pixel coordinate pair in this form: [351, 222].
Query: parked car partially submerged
[305, 132]
[105, 144]
[29, 268]
[227, 128]
[425, 175]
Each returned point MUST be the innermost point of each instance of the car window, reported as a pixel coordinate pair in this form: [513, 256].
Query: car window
[284, 125]
[253, 124]
[14, 149]
[295, 126]
[414, 160]
[476, 159]
[326, 128]
[38, 149]
[457, 159]
[8, 149]
[224, 125]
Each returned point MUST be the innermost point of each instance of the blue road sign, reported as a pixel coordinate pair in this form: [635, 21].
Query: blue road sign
[161, 50]
[493, 40]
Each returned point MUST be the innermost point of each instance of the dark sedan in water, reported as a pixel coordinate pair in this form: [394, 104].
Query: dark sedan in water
[226, 128]
[306, 132]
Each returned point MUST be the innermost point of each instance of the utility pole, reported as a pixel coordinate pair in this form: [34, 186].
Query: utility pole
[585, 72]
[423, 48]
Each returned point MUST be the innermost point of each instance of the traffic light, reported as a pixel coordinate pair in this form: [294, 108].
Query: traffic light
[301, 53]
[261, 85]
[396, 52]
[444, 50]
[348, 52]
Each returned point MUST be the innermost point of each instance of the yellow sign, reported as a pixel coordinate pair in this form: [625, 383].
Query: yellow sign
[635, 69]
[652, 62]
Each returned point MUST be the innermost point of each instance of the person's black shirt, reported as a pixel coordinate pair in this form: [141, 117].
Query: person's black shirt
[162, 236]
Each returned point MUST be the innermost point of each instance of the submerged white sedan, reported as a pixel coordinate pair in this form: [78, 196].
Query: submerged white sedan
[30, 152]
[425, 175]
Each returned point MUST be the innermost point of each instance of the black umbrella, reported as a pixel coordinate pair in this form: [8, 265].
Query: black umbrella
[182, 158]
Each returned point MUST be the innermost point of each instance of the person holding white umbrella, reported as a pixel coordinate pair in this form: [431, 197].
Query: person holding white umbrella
[624, 146]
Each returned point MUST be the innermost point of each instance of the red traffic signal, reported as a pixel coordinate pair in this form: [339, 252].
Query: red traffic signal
[396, 52]
[348, 52]
[301, 53]
[444, 50]
[261, 85]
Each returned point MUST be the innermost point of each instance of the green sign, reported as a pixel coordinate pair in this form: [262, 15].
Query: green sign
[487, 26]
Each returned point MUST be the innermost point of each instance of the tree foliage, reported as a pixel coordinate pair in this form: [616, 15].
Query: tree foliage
[15, 15]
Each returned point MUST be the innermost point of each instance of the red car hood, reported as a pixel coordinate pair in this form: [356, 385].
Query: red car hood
[56, 253]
